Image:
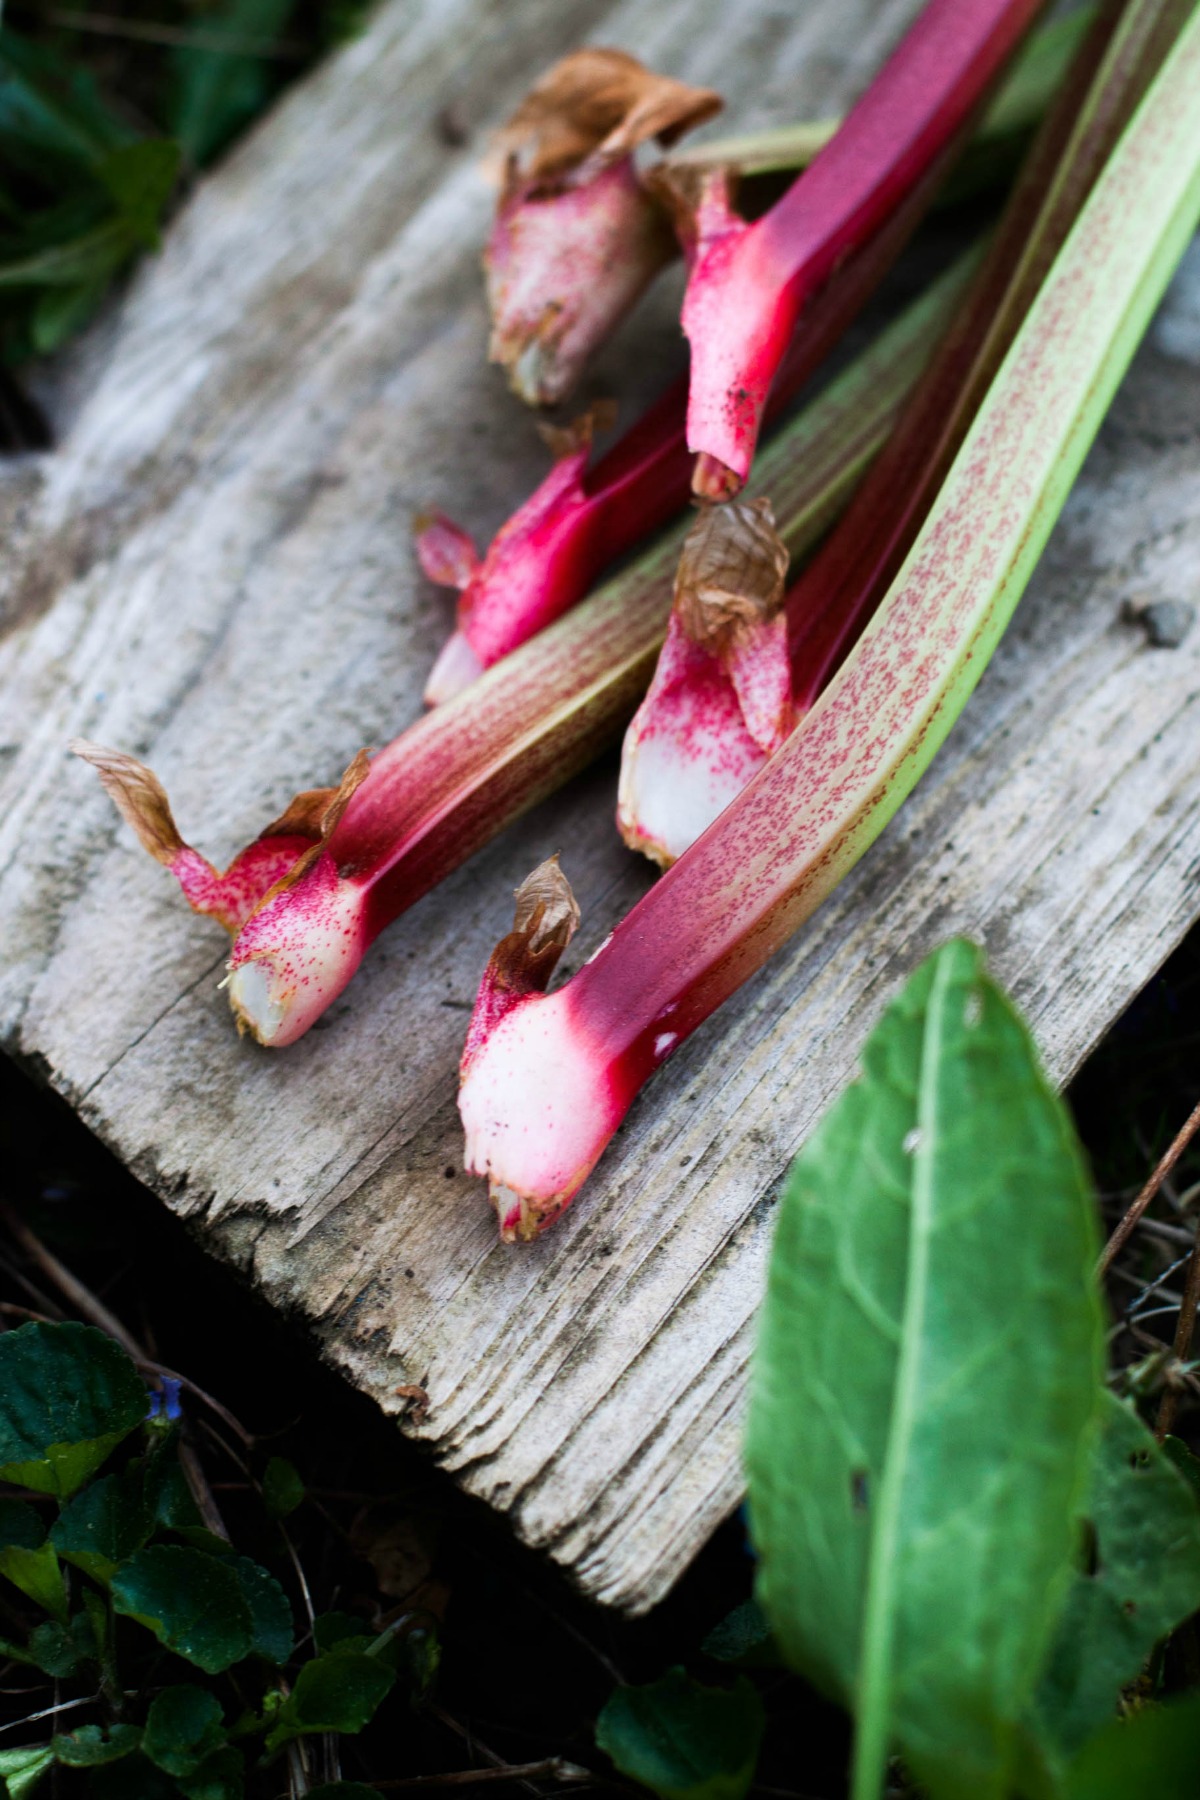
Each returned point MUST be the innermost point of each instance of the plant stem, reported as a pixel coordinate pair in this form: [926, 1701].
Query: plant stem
[1166, 1163]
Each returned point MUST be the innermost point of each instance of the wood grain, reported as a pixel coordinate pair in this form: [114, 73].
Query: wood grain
[213, 571]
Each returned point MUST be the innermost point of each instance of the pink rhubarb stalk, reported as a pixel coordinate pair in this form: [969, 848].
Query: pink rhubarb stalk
[577, 236]
[460, 774]
[546, 1083]
[580, 519]
[673, 794]
[748, 284]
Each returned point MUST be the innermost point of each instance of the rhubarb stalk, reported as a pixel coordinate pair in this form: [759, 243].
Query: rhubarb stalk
[544, 1089]
[748, 284]
[460, 774]
[577, 236]
[675, 775]
[580, 519]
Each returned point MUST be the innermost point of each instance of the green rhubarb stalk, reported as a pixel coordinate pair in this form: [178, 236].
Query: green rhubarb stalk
[548, 1077]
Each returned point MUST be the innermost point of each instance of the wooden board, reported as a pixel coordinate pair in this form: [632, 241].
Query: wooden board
[213, 571]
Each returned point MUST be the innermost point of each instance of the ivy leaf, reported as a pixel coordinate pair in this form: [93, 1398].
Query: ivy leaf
[21, 1770]
[332, 1693]
[103, 1525]
[926, 1382]
[1157, 1752]
[192, 1602]
[1145, 1581]
[283, 1490]
[221, 1776]
[744, 1637]
[183, 1726]
[682, 1740]
[89, 1747]
[272, 1626]
[68, 1395]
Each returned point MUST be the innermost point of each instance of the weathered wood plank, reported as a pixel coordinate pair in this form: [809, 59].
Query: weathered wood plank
[213, 571]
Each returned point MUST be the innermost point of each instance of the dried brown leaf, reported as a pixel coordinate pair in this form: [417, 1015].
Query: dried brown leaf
[731, 574]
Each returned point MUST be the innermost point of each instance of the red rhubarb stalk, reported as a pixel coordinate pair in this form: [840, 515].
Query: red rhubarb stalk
[677, 776]
[546, 1084]
[453, 780]
[577, 236]
[748, 284]
[555, 546]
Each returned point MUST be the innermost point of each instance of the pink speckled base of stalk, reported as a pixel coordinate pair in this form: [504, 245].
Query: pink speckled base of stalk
[562, 271]
[295, 955]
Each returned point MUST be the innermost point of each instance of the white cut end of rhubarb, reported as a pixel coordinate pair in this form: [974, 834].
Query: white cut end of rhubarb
[254, 997]
[538, 1109]
[683, 762]
[457, 666]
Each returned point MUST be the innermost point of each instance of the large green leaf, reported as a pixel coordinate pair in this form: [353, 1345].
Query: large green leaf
[104, 1524]
[273, 1628]
[89, 1747]
[682, 1740]
[925, 1384]
[1142, 1579]
[191, 1601]
[68, 1395]
[1153, 1756]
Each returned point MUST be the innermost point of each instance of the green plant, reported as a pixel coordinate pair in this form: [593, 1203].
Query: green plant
[188, 1646]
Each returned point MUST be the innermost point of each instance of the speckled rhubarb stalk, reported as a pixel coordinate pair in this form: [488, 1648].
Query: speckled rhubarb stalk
[580, 519]
[577, 237]
[700, 750]
[748, 284]
[453, 780]
[543, 1092]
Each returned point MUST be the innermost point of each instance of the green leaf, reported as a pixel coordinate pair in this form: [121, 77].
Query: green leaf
[335, 1627]
[221, 1776]
[283, 1490]
[332, 1693]
[926, 1382]
[36, 1573]
[89, 1747]
[141, 177]
[103, 1525]
[1177, 1453]
[21, 1770]
[84, 261]
[68, 1395]
[682, 1740]
[59, 1649]
[744, 1636]
[1145, 1581]
[219, 92]
[272, 1626]
[50, 109]
[192, 1602]
[1155, 1754]
[183, 1726]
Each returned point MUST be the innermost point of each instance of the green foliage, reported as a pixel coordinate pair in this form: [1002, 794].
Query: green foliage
[192, 1602]
[22, 1770]
[1178, 1454]
[282, 1487]
[682, 1740]
[218, 91]
[68, 1395]
[59, 1649]
[926, 1383]
[80, 195]
[1142, 1579]
[272, 1630]
[1155, 1754]
[221, 1776]
[104, 1524]
[37, 1574]
[89, 1746]
[183, 1727]
[335, 1692]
